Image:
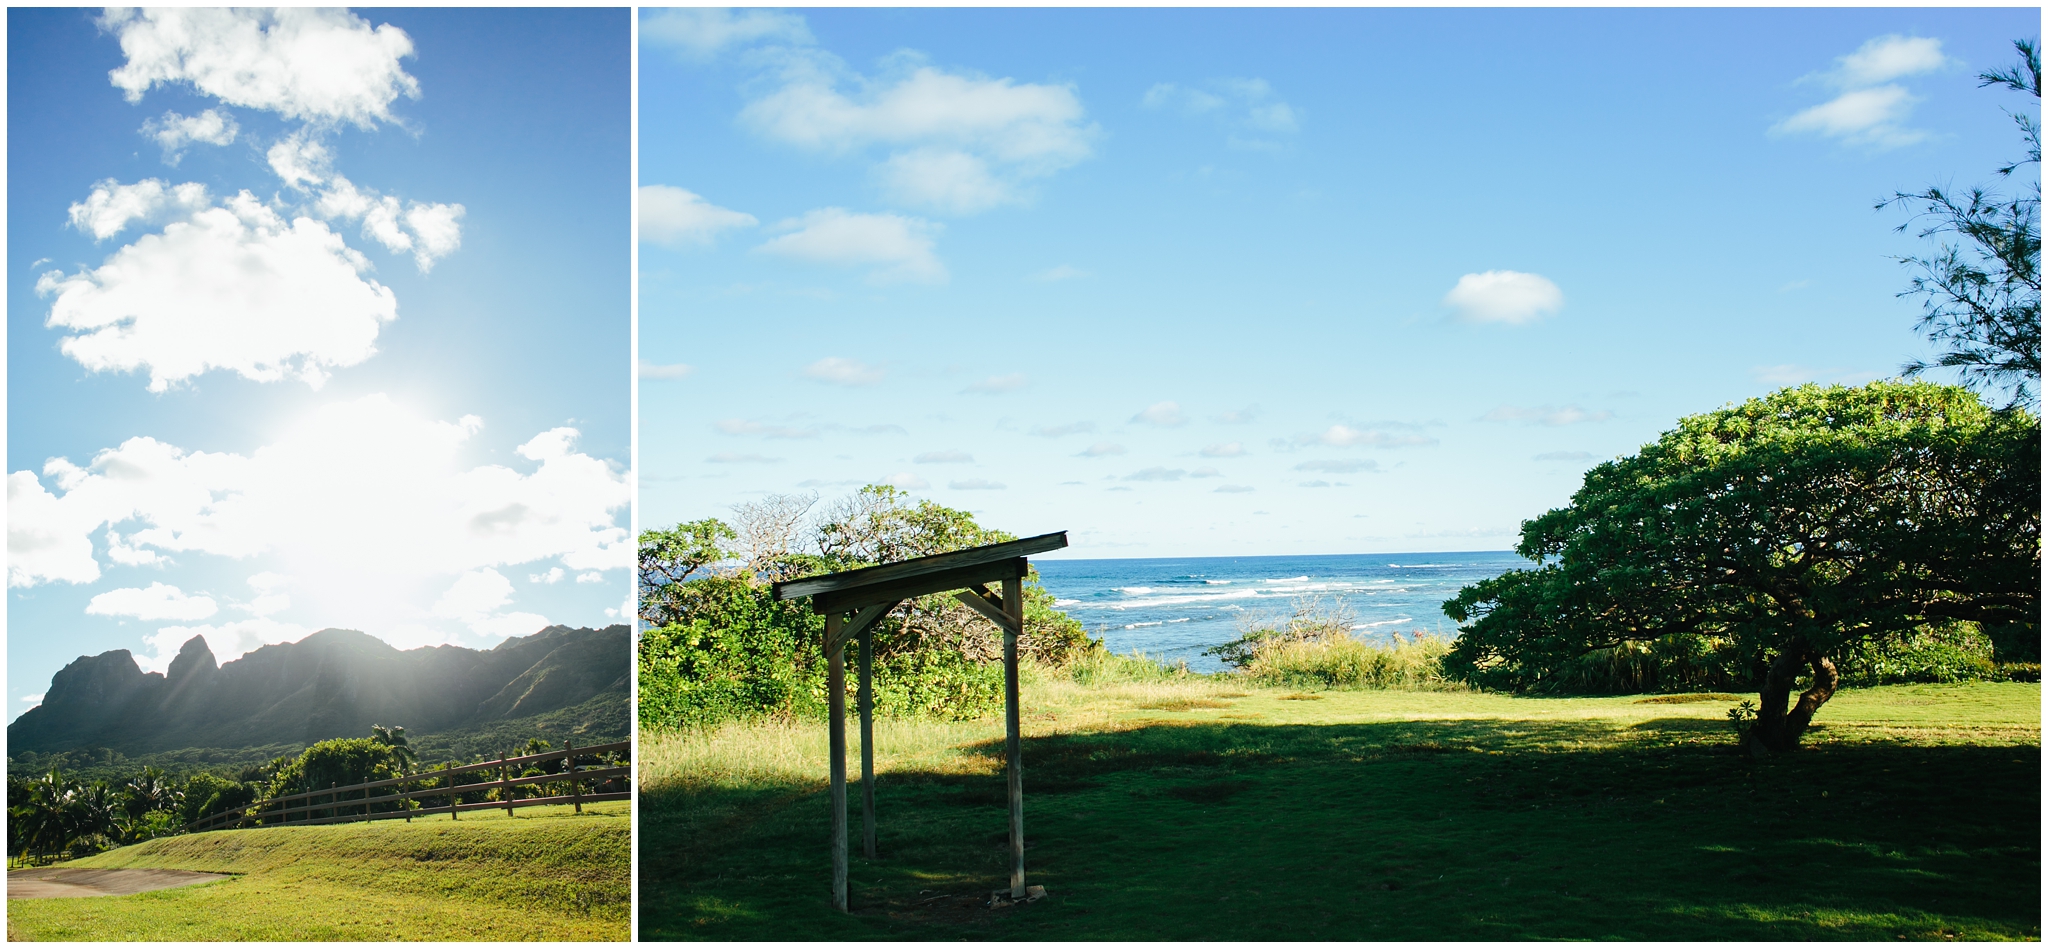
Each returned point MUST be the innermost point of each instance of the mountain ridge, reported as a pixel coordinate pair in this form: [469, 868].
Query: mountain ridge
[332, 684]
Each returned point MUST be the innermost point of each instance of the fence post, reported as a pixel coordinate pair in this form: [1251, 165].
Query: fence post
[448, 781]
[505, 785]
[575, 787]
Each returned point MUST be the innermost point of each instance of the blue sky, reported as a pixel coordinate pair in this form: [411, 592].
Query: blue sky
[315, 319]
[1229, 282]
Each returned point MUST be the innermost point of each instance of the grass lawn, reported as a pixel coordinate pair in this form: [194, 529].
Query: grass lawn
[544, 873]
[1211, 810]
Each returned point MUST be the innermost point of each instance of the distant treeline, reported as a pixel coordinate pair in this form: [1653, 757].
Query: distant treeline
[59, 813]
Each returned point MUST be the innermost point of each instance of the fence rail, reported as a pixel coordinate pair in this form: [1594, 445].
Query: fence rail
[336, 809]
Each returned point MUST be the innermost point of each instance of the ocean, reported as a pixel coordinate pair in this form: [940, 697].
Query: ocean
[1172, 608]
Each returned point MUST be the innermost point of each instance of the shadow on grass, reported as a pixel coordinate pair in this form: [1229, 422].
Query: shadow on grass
[1470, 829]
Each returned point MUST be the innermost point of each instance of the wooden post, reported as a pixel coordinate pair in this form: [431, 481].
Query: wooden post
[448, 781]
[569, 763]
[505, 785]
[867, 741]
[1013, 607]
[835, 701]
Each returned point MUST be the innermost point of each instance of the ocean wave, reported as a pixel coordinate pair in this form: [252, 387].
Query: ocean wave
[1387, 622]
[1137, 625]
[1181, 620]
[1216, 582]
[1287, 580]
[1184, 598]
[1056, 604]
[1133, 591]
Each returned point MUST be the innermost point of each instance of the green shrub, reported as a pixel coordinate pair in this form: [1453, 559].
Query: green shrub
[1958, 652]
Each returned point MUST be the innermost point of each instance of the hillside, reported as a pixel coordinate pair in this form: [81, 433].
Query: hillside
[334, 683]
[543, 875]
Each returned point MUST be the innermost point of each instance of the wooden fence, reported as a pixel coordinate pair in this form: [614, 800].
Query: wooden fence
[333, 805]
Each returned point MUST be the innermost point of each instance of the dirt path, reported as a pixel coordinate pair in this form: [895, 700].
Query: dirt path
[45, 882]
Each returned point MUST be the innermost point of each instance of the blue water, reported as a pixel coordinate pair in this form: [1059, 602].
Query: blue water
[1172, 608]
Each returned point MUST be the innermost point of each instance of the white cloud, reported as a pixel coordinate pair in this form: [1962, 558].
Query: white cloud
[160, 601]
[1340, 466]
[840, 371]
[1239, 416]
[1861, 117]
[1070, 428]
[231, 287]
[943, 458]
[900, 249]
[317, 65]
[354, 496]
[1870, 109]
[906, 481]
[1159, 473]
[1102, 450]
[590, 577]
[1503, 296]
[976, 484]
[1205, 472]
[672, 216]
[741, 426]
[554, 575]
[1233, 489]
[1164, 414]
[1061, 272]
[1546, 415]
[1889, 57]
[652, 370]
[1345, 436]
[300, 159]
[436, 231]
[1225, 450]
[427, 231]
[227, 641]
[995, 385]
[36, 699]
[270, 597]
[475, 599]
[700, 34]
[959, 143]
[947, 180]
[174, 132]
[112, 206]
[1244, 105]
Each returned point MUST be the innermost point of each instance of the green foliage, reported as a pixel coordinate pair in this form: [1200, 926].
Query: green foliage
[1782, 535]
[1341, 661]
[1985, 306]
[1312, 648]
[669, 557]
[728, 650]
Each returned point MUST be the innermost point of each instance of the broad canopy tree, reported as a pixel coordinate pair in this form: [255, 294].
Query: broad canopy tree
[1800, 526]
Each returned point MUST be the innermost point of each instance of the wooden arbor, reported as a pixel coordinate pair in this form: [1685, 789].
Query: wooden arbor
[869, 594]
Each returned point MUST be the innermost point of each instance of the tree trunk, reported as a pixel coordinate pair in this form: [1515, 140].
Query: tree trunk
[1777, 729]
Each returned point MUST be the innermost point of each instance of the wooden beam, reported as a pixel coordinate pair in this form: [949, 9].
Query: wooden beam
[985, 603]
[1013, 602]
[835, 702]
[904, 588]
[889, 572]
[867, 741]
[861, 621]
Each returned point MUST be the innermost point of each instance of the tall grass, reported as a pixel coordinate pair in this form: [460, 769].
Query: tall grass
[1342, 661]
